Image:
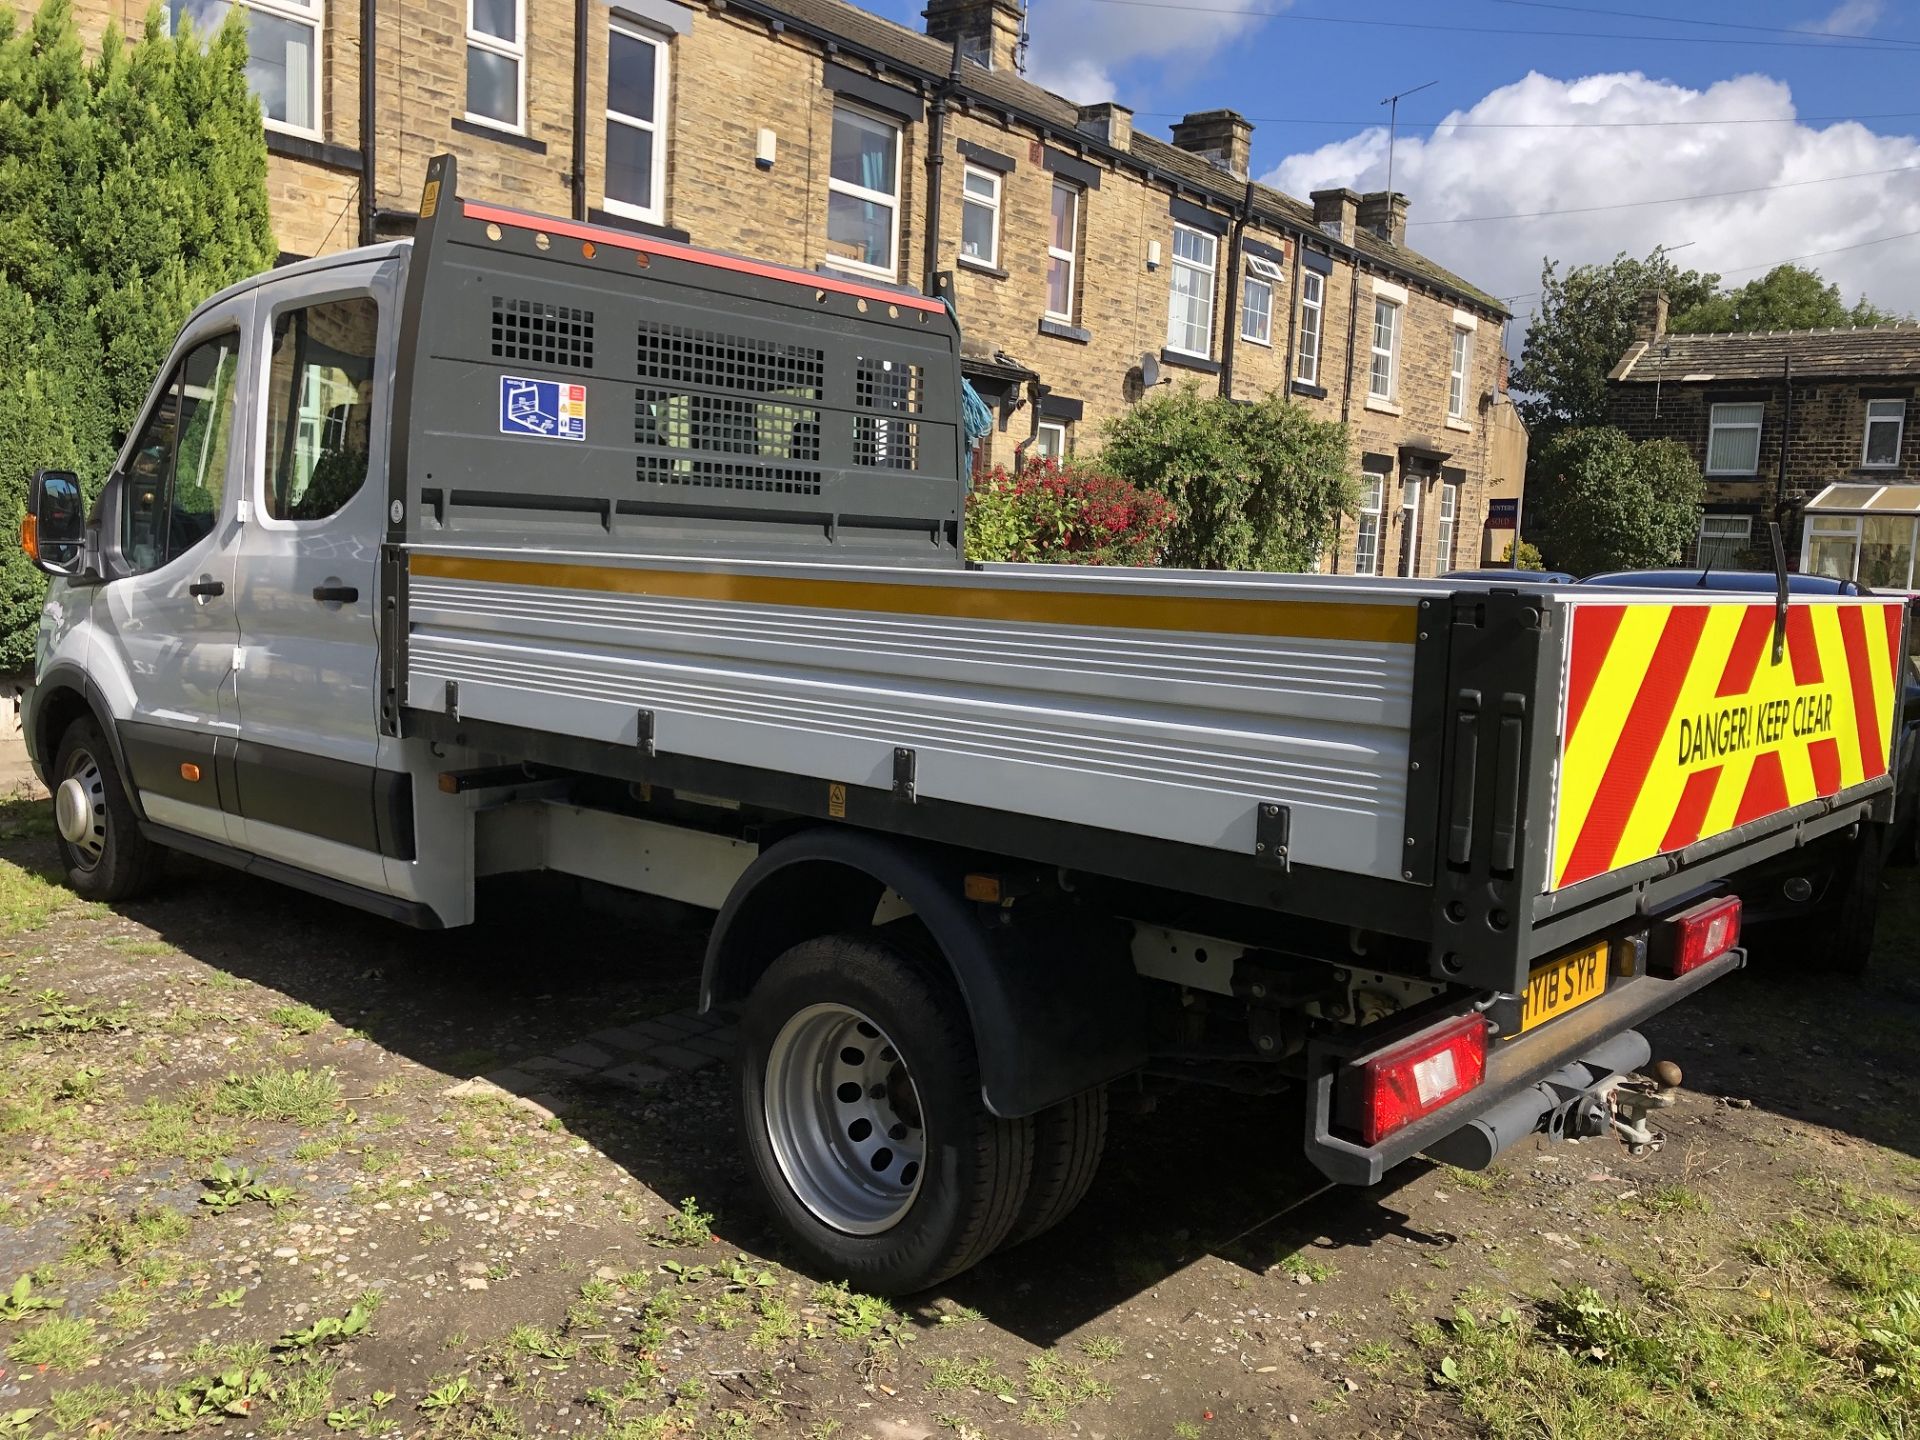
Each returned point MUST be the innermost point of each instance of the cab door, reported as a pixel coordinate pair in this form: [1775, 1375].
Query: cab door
[168, 615]
[308, 788]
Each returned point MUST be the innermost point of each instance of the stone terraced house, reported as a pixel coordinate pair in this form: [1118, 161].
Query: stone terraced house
[1086, 258]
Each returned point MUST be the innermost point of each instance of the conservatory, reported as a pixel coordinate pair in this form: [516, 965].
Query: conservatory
[1864, 533]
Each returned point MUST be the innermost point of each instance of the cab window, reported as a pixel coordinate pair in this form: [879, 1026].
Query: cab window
[319, 407]
[177, 474]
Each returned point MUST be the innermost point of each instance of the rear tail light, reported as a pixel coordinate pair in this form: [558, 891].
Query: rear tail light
[1411, 1081]
[1697, 935]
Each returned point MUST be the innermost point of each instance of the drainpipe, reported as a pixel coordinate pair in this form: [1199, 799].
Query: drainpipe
[1231, 330]
[1786, 434]
[367, 45]
[582, 16]
[936, 169]
[1353, 316]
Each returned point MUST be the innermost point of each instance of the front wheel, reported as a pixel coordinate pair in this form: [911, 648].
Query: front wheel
[101, 847]
[859, 1094]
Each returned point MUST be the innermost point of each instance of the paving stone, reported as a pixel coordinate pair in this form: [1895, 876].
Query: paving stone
[680, 1057]
[551, 1065]
[687, 1022]
[634, 1038]
[638, 1075]
[591, 1056]
[711, 1045]
[512, 1081]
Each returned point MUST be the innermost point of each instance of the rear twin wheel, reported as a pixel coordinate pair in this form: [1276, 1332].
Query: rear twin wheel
[860, 1099]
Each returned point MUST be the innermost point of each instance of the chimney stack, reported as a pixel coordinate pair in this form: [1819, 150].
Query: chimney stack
[1384, 212]
[1650, 316]
[988, 32]
[1224, 137]
[1334, 211]
[1109, 122]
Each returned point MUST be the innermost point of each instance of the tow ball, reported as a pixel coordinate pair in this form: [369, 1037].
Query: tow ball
[1628, 1105]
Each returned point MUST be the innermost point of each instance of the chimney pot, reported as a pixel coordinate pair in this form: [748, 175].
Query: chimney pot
[987, 32]
[1384, 212]
[1223, 136]
[1334, 211]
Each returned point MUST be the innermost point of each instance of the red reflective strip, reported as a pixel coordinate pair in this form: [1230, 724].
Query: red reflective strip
[1646, 726]
[1766, 791]
[1594, 627]
[645, 245]
[1801, 646]
[1749, 643]
[1825, 755]
[1691, 813]
[1866, 722]
[1895, 614]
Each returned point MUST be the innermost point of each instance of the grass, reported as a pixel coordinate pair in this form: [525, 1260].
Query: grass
[300, 1097]
[298, 1019]
[1304, 1266]
[113, 1240]
[28, 899]
[62, 1343]
[176, 1129]
[1823, 1337]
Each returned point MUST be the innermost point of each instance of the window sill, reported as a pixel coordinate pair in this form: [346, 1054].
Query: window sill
[316, 152]
[1256, 340]
[1731, 474]
[1877, 472]
[1061, 330]
[863, 272]
[614, 220]
[1383, 407]
[500, 133]
[1462, 426]
[1189, 362]
[980, 267]
[1310, 390]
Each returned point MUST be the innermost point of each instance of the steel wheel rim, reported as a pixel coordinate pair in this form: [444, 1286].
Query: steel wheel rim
[80, 810]
[844, 1119]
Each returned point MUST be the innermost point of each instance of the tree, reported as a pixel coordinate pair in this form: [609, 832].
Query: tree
[1063, 512]
[1785, 298]
[1610, 503]
[1584, 325]
[131, 188]
[1254, 487]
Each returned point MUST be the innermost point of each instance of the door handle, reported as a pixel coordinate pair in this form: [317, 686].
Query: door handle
[202, 589]
[336, 594]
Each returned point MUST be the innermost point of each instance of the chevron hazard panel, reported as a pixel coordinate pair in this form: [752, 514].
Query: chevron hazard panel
[1678, 724]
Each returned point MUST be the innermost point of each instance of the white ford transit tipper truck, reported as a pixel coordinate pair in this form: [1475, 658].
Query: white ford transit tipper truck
[534, 545]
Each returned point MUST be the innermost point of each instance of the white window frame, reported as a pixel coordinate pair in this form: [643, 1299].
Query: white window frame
[1413, 494]
[654, 126]
[514, 50]
[1058, 428]
[860, 192]
[990, 260]
[1391, 354]
[1899, 420]
[1715, 425]
[314, 17]
[1373, 492]
[1265, 274]
[1459, 366]
[1444, 527]
[1307, 367]
[1744, 535]
[1211, 270]
[1070, 257]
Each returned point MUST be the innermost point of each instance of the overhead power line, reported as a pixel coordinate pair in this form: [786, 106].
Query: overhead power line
[1812, 35]
[1812, 42]
[1784, 260]
[1561, 124]
[1668, 199]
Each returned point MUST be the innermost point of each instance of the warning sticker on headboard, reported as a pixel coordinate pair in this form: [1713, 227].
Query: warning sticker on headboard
[547, 409]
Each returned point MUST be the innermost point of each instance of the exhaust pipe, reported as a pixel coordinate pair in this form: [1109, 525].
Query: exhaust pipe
[1560, 1106]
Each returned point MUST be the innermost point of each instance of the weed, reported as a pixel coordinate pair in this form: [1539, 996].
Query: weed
[855, 1316]
[20, 1302]
[228, 1299]
[228, 1187]
[1375, 1354]
[532, 1340]
[1479, 1181]
[59, 1342]
[687, 1226]
[57, 1017]
[961, 1315]
[1186, 1430]
[322, 1147]
[980, 1374]
[446, 1396]
[328, 1330]
[360, 1417]
[647, 1427]
[232, 1392]
[80, 1086]
[70, 1409]
[778, 1323]
[108, 1239]
[1055, 1385]
[1103, 1347]
[1302, 1266]
[303, 1097]
[298, 1019]
[305, 1395]
[175, 1129]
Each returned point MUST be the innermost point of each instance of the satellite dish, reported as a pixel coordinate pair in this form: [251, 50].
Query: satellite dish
[1149, 370]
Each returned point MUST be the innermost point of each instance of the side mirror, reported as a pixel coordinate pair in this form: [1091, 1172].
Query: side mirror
[54, 532]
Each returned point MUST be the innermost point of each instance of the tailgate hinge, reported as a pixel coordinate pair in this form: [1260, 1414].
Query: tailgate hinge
[453, 699]
[643, 735]
[1272, 834]
[904, 766]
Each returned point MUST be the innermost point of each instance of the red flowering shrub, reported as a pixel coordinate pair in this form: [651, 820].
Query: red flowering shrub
[1053, 512]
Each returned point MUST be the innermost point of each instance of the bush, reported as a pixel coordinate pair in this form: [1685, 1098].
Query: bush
[1609, 503]
[1051, 512]
[1256, 487]
[1529, 556]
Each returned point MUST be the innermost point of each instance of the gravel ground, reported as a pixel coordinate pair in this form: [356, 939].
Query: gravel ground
[253, 1176]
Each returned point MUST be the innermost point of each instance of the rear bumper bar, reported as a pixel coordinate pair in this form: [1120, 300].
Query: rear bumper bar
[1511, 1069]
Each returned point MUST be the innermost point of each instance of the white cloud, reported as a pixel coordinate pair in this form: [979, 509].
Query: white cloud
[1849, 17]
[1455, 171]
[1076, 45]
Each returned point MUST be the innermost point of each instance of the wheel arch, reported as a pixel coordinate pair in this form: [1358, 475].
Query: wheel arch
[64, 694]
[1053, 1012]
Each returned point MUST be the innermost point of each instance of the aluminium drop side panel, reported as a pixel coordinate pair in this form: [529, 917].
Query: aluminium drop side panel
[1167, 706]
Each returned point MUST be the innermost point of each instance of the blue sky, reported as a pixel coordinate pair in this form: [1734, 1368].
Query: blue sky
[1569, 124]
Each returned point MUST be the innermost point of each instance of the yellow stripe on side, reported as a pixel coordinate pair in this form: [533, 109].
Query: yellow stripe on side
[1605, 717]
[1386, 623]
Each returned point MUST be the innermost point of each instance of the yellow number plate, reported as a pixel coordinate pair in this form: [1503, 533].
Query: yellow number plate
[1562, 985]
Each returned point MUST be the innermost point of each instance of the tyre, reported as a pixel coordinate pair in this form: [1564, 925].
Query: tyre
[1068, 1139]
[859, 1095]
[101, 847]
[1851, 938]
